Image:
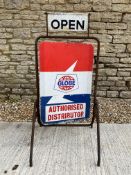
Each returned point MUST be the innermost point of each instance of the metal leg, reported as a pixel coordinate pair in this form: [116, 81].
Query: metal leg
[93, 117]
[98, 133]
[94, 112]
[32, 135]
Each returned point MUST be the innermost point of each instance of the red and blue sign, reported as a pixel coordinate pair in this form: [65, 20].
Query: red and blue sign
[65, 73]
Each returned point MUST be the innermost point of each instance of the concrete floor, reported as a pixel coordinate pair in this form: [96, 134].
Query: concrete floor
[65, 150]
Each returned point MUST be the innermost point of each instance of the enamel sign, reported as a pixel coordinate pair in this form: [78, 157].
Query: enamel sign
[67, 22]
[65, 81]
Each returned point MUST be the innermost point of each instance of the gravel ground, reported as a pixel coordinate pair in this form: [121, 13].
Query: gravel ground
[111, 110]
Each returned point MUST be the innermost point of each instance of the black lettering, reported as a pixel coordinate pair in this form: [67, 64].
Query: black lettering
[72, 24]
[63, 23]
[55, 24]
[81, 25]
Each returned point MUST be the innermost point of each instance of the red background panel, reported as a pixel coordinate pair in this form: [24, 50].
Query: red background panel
[59, 56]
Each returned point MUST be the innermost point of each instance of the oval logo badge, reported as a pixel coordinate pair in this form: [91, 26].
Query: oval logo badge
[66, 82]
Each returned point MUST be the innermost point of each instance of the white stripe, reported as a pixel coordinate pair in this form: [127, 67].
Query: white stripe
[47, 83]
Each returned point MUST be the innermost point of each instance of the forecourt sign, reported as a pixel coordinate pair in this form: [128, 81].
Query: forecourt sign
[64, 75]
[65, 81]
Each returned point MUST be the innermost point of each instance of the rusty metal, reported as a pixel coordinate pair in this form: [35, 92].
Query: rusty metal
[88, 25]
[32, 133]
[47, 30]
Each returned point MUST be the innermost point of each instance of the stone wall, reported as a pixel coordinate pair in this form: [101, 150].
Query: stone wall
[21, 21]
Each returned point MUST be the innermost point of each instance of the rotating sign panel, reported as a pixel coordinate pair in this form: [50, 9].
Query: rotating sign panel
[65, 81]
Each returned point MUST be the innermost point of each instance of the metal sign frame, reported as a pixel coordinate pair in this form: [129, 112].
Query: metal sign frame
[36, 112]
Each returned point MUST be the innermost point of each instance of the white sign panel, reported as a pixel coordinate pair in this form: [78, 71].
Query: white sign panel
[67, 22]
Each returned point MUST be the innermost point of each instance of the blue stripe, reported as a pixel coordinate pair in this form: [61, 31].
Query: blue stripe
[77, 98]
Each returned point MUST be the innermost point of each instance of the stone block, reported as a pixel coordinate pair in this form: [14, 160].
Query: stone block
[104, 38]
[122, 39]
[120, 1]
[1, 3]
[109, 60]
[129, 48]
[120, 83]
[127, 78]
[82, 7]
[18, 47]
[123, 55]
[125, 60]
[29, 97]
[4, 58]
[7, 16]
[114, 78]
[118, 65]
[22, 71]
[115, 48]
[116, 26]
[35, 6]
[2, 41]
[9, 30]
[125, 94]
[5, 35]
[56, 1]
[111, 17]
[20, 57]
[39, 1]
[17, 91]
[73, 1]
[2, 30]
[3, 75]
[102, 31]
[30, 16]
[29, 41]
[64, 7]
[123, 74]
[48, 7]
[9, 71]
[112, 94]
[39, 24]
[128, 31]
[101, 78]
[108, 72]
[127, 17]
[97, 25]
[95, 16]
[14, 97]
[22, 33]
[4, 47]
[11, 23]
[121, 8]
[15, 40]
[118, 88]
[5, 90]
[101, 93]
[115, 32]
[28, 23]
[30, 91]
[101, 6]
[16, 4]
[22, 68]
[106, 83]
